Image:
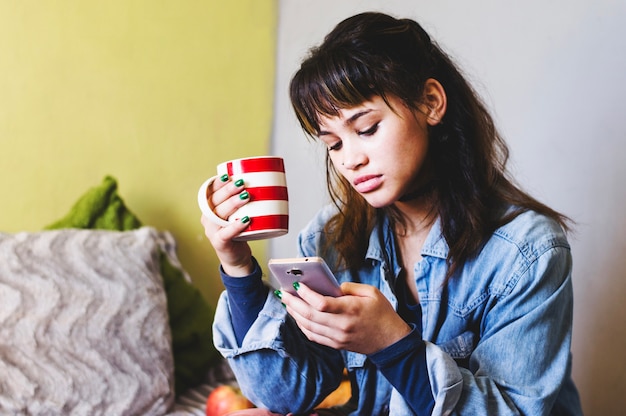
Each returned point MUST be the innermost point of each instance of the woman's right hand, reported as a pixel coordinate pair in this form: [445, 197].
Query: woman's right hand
[225, 197]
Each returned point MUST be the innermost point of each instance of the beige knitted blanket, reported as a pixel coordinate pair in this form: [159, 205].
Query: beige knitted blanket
[83, 324]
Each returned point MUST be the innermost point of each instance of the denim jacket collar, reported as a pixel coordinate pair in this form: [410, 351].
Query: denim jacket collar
[435, 244]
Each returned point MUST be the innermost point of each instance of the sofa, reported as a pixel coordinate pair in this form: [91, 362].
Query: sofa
[98, 317]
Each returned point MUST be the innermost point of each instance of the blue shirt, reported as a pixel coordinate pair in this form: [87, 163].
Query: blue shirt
[497, 335]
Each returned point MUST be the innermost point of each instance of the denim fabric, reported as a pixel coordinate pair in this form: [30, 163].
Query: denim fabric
[498, 335]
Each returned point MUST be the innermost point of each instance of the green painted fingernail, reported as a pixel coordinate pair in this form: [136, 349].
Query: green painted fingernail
[239, 182]
[278, 294]
[244, 195]
[245, 219]
[224, 177]
[296, 285]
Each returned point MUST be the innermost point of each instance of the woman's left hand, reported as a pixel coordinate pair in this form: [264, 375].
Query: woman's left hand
[362, 320]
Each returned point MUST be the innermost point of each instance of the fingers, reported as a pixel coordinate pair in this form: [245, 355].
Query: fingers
[314, 324]
[227, 196]
[226, 234]
[224, 197]
[317, 301]
[217, 233]
[362, 320]
[356, 289]
[318, 316]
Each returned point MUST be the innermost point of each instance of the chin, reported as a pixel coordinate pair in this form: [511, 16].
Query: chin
[378, 202]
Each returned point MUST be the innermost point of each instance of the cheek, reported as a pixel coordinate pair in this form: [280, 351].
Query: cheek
[334, 160]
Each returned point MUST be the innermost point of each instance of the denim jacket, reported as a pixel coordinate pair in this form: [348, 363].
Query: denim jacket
[497, 335]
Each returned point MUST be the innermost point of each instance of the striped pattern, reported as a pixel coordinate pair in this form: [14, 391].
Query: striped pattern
[268, 208]
[83, 324]
[256, 179]
[254, 164]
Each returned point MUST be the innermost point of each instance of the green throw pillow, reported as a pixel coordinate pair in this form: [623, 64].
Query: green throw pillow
[190, 315]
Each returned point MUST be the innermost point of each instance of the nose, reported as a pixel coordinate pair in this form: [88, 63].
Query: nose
[353, 158]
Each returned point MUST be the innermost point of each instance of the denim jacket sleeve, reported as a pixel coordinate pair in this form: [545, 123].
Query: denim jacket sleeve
[520, 364]
[276, 366]
[522, 359]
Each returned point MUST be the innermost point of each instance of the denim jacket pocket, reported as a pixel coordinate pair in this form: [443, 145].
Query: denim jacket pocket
[460, 347]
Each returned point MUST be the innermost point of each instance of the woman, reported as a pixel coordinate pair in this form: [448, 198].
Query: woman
[457, 284]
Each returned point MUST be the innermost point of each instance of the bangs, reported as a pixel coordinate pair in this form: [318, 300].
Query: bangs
[332, 83]
[365, 56]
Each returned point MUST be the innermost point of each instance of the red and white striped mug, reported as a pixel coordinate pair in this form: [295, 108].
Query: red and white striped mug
[268, 208]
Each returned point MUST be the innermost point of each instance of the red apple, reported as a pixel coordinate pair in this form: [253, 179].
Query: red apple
[224, 399]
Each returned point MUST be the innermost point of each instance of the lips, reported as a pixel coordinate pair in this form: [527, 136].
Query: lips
[367, 183]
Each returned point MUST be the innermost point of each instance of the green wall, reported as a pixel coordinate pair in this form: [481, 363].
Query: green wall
[155, 93]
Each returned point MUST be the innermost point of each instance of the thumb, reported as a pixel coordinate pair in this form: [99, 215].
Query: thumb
[358, 289]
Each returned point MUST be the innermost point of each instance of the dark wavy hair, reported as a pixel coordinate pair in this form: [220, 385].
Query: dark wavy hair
[373, 54]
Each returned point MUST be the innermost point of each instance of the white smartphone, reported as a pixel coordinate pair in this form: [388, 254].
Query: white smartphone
[312, 271]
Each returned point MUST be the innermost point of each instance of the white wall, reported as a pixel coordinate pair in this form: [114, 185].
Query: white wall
[554, 75]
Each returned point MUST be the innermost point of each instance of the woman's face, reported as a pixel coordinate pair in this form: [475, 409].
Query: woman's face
[379, 150]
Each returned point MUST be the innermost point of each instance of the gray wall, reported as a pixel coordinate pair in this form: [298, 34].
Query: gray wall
[553, 74]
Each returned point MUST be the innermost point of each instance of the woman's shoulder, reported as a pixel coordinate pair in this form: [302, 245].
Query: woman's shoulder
[509, 254]
[532, 232]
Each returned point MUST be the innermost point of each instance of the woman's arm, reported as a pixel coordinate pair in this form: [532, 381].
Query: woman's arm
[246, 297]
[276, 367]
[521, 361]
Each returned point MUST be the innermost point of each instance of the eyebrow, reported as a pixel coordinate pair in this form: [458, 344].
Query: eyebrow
[349, 121]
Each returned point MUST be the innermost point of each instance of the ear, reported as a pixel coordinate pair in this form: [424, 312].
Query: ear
[435, 100]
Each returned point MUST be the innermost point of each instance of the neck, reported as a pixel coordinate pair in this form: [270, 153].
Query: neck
[418, 216]
[419, 193]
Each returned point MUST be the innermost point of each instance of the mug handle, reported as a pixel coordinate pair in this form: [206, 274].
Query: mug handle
[203, 202]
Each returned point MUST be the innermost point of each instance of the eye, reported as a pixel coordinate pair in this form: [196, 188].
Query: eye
[370, 131]
[335, 146]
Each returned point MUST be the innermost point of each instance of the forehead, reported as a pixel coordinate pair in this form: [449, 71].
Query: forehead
[351, 114]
